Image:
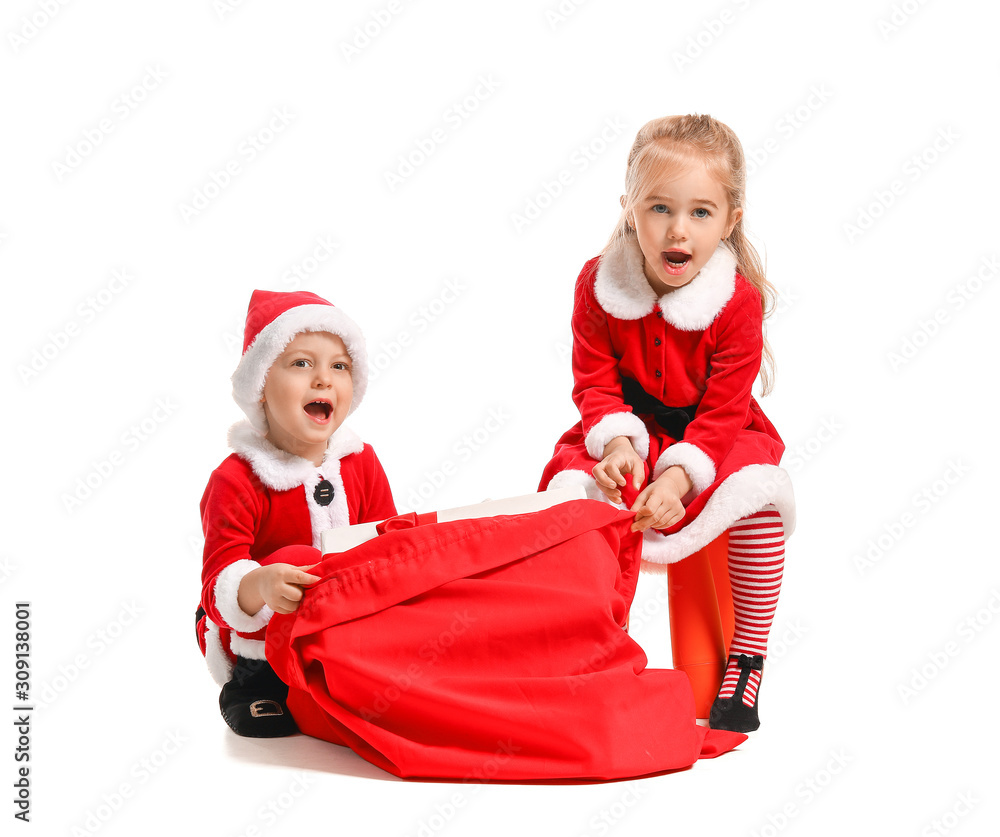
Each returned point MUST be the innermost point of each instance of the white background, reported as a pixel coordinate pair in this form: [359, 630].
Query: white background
[878, 702]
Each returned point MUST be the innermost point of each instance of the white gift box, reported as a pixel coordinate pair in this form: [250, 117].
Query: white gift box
[347, 537]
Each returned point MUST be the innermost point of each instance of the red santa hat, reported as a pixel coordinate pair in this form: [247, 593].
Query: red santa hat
[273, 320]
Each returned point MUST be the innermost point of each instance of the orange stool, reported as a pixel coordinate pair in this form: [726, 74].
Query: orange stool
[700, 602]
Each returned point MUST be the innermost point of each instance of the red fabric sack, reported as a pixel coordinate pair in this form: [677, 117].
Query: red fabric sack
[489, 650]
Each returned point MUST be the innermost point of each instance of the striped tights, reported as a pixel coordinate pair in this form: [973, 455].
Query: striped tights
[756, 562]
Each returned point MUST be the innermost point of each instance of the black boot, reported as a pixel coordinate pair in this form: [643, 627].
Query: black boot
[732, 713]
[253, 701]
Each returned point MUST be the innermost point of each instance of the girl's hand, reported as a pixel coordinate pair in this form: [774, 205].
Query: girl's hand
[620, 458]
[659, 505]
[279, 586]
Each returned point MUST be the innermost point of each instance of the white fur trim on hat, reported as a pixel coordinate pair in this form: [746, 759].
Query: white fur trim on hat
[624, 292]
[618, 424]
[250, 374]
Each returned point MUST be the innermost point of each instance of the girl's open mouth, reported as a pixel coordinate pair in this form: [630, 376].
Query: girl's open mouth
[675, 262]
[319, 411]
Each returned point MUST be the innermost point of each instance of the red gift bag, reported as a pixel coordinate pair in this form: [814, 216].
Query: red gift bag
[489, 650]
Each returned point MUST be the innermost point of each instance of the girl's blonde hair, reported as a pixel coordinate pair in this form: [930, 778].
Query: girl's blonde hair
[670, 144]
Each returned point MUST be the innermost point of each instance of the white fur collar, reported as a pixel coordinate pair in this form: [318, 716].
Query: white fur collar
[623, 291]
[280, 470]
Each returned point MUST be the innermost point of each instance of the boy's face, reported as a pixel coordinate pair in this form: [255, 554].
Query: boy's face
[307, 394]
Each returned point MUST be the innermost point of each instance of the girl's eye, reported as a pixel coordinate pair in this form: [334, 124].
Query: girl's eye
[660, 208]
[701, 212]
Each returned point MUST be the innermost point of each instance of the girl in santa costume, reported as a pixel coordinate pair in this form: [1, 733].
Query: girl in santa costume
[667, 343]
[296, 471]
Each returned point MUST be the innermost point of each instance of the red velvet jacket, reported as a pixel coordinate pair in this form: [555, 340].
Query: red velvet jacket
[259, 508]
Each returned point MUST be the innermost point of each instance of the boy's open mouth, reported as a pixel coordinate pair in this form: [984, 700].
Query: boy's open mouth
[675, 261]
[319, 410]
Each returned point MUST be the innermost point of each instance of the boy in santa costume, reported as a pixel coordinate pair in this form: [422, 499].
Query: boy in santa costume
[295, 472]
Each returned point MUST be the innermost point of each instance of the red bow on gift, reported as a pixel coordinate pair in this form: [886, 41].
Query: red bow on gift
[405, 521]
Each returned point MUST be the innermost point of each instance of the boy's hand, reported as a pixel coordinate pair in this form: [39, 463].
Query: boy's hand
[620, 459]
[279, 586]
[658, 506]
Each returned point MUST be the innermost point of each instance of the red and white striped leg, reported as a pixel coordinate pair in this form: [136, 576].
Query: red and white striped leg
[756, 563]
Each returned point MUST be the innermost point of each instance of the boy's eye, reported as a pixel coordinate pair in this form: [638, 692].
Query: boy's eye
[701, 212]
[341, 366]
[302, 363]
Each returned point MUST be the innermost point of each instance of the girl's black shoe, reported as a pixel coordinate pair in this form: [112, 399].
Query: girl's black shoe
[253, 701]
[731, 713]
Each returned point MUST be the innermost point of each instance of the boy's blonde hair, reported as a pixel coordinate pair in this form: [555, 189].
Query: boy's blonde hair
[671, 144]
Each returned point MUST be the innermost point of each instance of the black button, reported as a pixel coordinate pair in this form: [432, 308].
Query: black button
[659, 373]
[657, 341]
[323, 494]
[659, 314]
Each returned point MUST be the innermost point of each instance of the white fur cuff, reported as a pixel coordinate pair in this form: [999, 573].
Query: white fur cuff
[250, 649]
[219, 664]
[618, 424]
[747, 491]
[695, 462]
[227, 587]
[572, 478]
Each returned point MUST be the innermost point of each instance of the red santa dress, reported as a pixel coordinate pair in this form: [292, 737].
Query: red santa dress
[261, 507]
[674, 374]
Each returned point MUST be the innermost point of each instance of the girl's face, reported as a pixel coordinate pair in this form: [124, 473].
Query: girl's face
[307, 394]
[680, 222]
